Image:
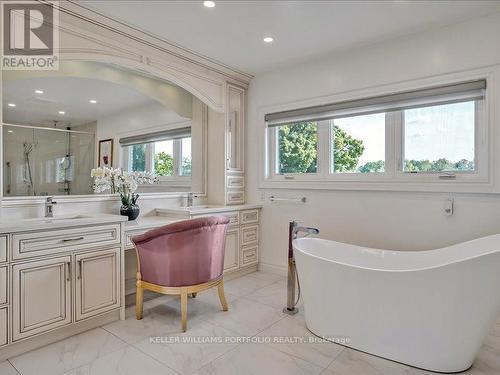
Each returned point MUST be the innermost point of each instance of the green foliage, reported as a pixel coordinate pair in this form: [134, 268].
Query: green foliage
[438, 165]
[346, 150]
[298, 145]
[372, 167]
[186, 167]
[164, 164]
[139, 157]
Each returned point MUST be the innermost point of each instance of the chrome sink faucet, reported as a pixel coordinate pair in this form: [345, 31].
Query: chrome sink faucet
[49, 207]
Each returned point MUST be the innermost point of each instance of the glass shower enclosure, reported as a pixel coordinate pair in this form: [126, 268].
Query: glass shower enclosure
[45, 161]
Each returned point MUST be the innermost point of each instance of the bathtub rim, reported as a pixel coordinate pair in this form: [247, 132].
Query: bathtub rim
[420, 269]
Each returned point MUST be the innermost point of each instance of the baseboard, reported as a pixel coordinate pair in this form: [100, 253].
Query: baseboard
[55, 335]
[273, 268]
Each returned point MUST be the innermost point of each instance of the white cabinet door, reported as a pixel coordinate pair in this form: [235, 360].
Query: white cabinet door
[235, 128]
[97, 282]
[41, 298]
[231, 261]
[3, 326]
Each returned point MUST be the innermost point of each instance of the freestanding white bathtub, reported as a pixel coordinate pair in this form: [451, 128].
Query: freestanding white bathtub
[428, 309]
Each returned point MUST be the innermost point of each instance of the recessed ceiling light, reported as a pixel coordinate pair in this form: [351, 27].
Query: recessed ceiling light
[39, 92]
[10, 131]
[209, 4]
[61, 112]
[11, 105]
[268, 39]
[93, 101]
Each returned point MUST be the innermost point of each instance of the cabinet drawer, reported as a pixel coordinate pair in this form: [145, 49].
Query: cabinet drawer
[249, 255]
[128, 238]
[249, 217]
[235, 197]
[3, 249]
[3, 326]
[249, 234]
[234, 218]
[235, 181]
[26, 245]
[3, 285]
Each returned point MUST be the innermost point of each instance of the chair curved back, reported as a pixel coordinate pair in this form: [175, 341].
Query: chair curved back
[185, 253]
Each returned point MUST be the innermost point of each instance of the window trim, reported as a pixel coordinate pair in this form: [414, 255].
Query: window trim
[483, 181]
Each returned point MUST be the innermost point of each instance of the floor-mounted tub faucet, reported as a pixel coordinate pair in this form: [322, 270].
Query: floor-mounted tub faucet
[293, 233]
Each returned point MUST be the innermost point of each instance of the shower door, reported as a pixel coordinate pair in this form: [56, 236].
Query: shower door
[41, 161]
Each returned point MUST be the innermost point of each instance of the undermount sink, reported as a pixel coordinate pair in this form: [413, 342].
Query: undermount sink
[56, 218]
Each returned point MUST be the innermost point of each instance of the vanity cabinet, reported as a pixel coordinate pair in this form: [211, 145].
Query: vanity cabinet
[242, 237]
[97, 282]
[41, 296]
[55, 282]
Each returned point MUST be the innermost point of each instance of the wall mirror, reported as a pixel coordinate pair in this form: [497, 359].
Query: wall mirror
[58, 125]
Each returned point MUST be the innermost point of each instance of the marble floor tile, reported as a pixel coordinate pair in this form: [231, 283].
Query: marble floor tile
[258, 359]
[493, 339]
[7, 369]
[127, 361]
[160, 299]
[245, 317]
[68, 354]
[487, 362]
[187, 352]
[273, 295]
[299, 342]
[206, 302]
[352, 362]
[162, 318]
[267, 276]
[245, 285]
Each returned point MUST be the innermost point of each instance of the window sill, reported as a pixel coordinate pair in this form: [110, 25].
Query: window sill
[453, 186]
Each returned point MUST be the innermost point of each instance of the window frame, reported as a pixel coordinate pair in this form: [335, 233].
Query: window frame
[394, 178]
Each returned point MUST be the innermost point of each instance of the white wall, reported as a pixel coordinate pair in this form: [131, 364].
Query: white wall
[394, 220]
[134, 121]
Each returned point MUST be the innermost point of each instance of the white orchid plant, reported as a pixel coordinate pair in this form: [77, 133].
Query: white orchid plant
[120, 181]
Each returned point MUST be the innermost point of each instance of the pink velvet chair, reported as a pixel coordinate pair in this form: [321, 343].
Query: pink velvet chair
[182, 258]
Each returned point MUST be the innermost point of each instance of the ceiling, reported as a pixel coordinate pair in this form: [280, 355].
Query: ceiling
[68, 94]
[232, 31]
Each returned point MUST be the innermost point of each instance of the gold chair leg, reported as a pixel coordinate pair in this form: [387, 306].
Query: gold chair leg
[139, 296]
[222, 297]
[193, 295]
[184, 301]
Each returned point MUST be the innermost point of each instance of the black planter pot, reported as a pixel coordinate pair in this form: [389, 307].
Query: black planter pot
[131, 211]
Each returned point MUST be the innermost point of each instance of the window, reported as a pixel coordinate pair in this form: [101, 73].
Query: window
[185, 157]
[163, 158]
[297, 148]
[439, 138]
[169, 159]
[437, 134]
[358, 144]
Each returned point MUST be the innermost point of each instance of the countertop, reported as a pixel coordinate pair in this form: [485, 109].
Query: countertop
[205, 209]
[147, 222]
[57, 222]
